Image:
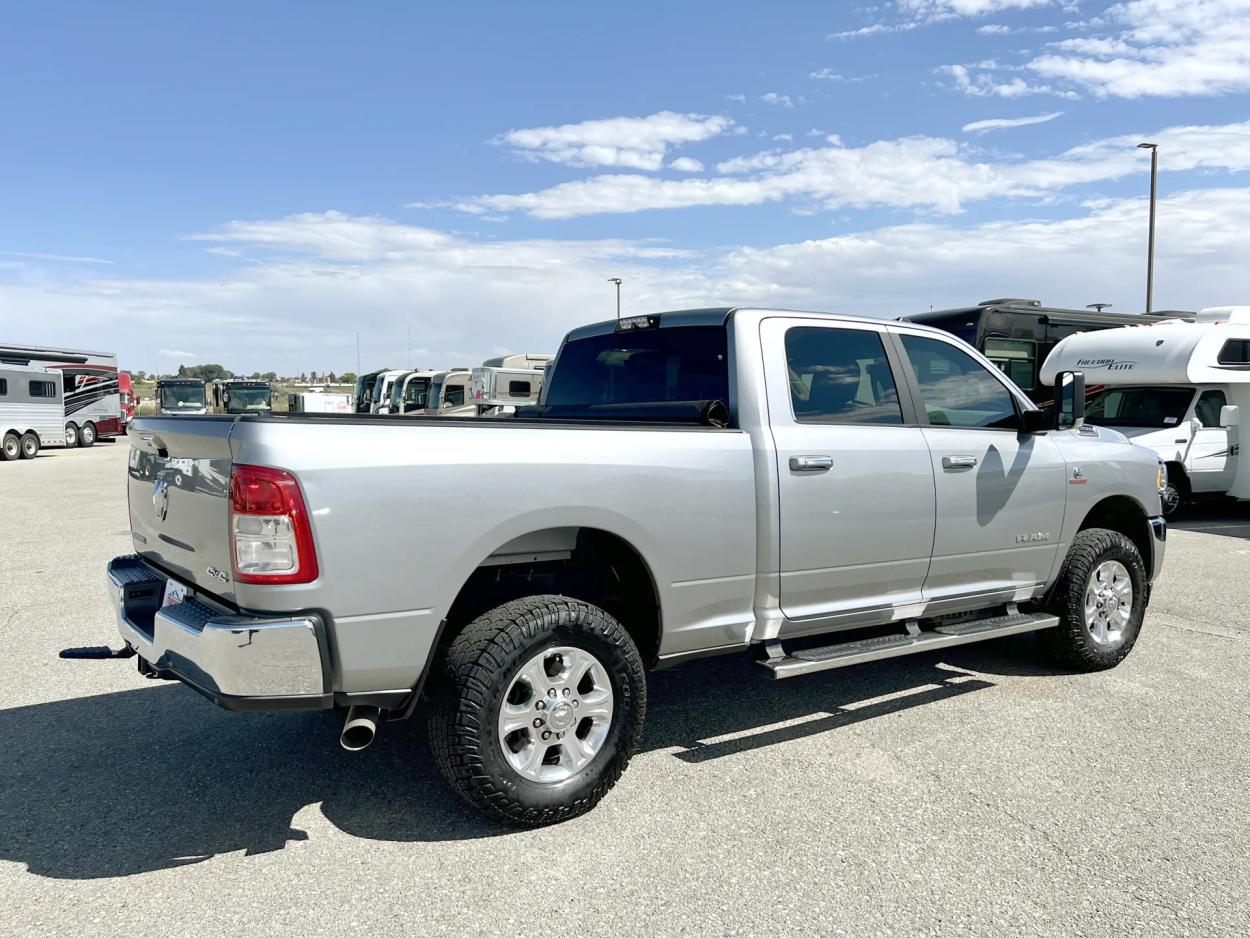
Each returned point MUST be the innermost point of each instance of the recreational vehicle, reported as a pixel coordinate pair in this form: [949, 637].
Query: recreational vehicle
[504, 383]
[241, 396]
[448, 395]
[1177, 387]
[409, 390]
[382, 385]
[1017, 335]
[362, 398]
[319, 402]
[181, 396]
[32, 410]
[92, 400]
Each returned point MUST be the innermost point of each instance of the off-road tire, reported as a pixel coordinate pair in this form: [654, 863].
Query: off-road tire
[30, 445]
[10, 447]
[71, 435]
[86, 435]
[471, 678]
[1070, 642]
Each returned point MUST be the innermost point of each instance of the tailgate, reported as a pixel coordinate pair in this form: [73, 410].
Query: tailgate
[179, 490]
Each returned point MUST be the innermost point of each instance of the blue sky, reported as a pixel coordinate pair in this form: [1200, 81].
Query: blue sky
[252, 183]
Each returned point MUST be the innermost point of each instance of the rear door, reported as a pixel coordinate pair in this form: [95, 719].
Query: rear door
[854, 474]
[1000, 493]
[179, 491]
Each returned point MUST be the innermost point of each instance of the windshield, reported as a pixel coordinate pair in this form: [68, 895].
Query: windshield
[414, 393]
[682, 363]
[242, 400]
[435, 392]
[1138, 407]
[182, 397]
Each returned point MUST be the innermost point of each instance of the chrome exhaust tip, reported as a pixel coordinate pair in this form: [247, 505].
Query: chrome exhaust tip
[359, 728]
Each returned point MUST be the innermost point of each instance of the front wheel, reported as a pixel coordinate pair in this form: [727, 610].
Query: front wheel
[29, 445]
[1100, 598]
[537, 709]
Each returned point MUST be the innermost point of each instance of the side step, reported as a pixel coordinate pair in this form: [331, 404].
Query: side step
[893, 646]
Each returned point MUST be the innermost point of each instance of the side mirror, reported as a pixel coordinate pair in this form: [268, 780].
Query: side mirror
[1069, 400]
[1034, 421]
[1230, 415]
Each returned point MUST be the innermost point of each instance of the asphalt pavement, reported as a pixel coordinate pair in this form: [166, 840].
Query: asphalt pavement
[974, 791]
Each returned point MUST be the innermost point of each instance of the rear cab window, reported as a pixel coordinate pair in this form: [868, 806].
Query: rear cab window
[642, 366]
[840, 376]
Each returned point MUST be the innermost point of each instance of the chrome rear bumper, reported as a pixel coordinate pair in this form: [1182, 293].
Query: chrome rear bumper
[239, 662]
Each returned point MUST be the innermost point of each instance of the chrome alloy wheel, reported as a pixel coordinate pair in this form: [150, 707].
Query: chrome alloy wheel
[1108, 602]
[556, 714]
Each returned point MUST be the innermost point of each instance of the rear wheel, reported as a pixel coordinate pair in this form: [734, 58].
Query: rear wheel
[29, 445]
[71, 435]
[86, 436]
[537, 709]
[1100, 599]
[11, 447]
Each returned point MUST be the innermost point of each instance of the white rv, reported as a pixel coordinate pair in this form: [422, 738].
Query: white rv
[502, 384]
[1176, 387]
[382, 390]
[32, 410]
[449, 394]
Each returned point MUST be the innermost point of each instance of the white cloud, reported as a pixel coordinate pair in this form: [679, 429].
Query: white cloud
[628, 142]
[297, 307]
[983, 84]
[784, 138]
[918, 172]
[1163, 48]
[59, 258]
[1001, 123]
[686, 164]
[783, 100]
[947, 9]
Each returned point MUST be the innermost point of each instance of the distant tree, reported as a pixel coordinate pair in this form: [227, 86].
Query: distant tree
[206, 372]
[182, 371]
[303, 376]
[270, 376]
[347, 377]
[330, 378]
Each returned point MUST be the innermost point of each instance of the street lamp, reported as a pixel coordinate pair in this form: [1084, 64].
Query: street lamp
[617, 281]
[1150, 250]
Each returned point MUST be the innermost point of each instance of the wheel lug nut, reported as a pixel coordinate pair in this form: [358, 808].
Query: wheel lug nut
[567, 692]
[538, 722]
[546, 734]
[540, 705]
[559, 736]
[551, 691]
[576, 704]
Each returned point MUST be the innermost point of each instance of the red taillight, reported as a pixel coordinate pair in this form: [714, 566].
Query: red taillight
[270, 533]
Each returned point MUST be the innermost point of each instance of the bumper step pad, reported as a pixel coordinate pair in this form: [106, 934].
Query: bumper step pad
[783, 664]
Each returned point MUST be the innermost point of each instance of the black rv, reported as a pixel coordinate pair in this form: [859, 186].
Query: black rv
[1017, 335]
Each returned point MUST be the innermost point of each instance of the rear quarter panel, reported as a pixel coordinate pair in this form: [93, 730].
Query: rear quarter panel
[403, 513]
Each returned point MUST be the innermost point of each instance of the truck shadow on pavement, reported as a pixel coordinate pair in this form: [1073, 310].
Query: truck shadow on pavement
[156, 778]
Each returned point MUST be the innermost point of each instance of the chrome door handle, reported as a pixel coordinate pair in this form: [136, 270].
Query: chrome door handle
[811, 463]
[958, 462]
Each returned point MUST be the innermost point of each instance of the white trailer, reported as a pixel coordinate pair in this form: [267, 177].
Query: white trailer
[319, 402]
[449, 394]
[32, 410]
[1176, 387]
[93, 403]
[502, 384]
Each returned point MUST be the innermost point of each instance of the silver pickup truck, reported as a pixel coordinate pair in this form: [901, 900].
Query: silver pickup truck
[819, 490]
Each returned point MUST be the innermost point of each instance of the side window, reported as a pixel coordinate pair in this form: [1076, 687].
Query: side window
[1016, 358]
[1208, 409]
[840, 376]
[1235, 352]
[519, 389]
[956, 389]
[42, 389]
[454, 396]
[4, 386]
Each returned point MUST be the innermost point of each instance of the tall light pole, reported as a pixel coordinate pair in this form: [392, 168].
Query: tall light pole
[617, 281]
[1150, 250]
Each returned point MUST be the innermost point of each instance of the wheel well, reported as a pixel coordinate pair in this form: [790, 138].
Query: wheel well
[1123, 514]
[598, 567]
[1178, 475]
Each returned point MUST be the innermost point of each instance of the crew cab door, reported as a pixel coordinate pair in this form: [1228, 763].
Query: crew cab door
[855, 479]
[1211, 462]
[1001, 493]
